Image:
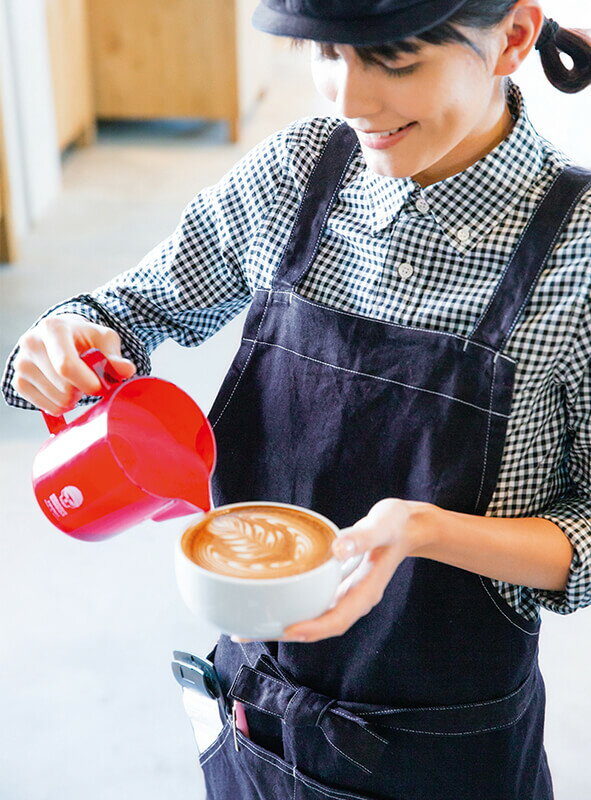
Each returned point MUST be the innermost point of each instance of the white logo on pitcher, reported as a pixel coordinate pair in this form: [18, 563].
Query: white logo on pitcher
[71, 497]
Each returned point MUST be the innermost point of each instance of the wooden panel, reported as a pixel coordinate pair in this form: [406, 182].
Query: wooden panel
[164, 58]
[70, 68]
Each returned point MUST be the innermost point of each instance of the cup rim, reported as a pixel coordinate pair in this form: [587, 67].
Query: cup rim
[298, 576]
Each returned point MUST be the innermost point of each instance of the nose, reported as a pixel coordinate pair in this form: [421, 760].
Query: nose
[357, 96]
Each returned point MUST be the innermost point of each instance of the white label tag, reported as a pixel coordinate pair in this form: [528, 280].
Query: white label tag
[205, 717]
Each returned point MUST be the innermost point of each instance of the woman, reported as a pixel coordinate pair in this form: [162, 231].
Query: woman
[414, 366]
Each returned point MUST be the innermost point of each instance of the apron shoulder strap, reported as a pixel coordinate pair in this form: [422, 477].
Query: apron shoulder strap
[530, 257]
[319, 197]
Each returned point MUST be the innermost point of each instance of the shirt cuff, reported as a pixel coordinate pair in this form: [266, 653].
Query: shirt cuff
[573, 517]
[85, 306]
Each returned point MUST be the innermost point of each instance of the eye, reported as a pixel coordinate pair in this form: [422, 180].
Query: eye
[399, 72]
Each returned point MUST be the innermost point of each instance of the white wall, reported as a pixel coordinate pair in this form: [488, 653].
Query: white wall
[29, 119]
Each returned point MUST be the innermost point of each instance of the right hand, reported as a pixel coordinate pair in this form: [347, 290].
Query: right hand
[48, 370]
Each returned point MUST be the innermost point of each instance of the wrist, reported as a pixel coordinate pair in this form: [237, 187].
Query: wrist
[425, 528]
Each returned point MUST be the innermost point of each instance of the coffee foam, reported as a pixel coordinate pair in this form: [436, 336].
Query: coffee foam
[259, 542]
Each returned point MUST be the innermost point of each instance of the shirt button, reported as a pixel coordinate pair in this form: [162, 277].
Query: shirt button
[422, 205]
[464, 234]
[405, 270]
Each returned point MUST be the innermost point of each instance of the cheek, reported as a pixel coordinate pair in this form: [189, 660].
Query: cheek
[324, 79]
[445, 104]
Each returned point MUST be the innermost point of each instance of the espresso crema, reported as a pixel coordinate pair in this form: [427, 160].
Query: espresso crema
[259, 542]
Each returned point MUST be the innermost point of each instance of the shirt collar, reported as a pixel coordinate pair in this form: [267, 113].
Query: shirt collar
[468, 205]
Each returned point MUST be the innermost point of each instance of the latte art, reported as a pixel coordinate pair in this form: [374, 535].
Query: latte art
[259, 542]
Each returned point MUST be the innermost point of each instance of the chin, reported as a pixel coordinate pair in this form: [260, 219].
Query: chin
[388, 170]
[382, 165]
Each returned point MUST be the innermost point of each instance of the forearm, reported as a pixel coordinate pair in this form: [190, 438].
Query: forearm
[525, 551]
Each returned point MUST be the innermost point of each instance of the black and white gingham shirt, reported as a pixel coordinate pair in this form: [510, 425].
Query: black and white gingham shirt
[429, 258]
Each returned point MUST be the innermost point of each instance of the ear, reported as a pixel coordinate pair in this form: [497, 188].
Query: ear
[519, 32]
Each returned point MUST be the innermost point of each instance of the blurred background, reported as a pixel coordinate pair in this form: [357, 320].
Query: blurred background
[112, 116]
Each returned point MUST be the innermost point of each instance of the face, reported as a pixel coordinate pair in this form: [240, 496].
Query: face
[427, 115]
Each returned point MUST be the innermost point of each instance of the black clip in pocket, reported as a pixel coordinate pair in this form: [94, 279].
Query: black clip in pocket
[193, 672]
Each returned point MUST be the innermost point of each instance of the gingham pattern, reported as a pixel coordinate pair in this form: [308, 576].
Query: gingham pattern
[429, 258]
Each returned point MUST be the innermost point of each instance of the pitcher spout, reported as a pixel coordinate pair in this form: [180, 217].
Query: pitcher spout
[178, 508]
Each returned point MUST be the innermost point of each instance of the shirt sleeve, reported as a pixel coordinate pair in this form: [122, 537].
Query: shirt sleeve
[572, 511]
[194, 281]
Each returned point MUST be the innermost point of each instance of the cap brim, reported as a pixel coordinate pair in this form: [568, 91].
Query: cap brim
[368, 30]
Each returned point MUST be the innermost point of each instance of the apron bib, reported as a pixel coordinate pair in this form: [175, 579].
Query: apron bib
[436, 693]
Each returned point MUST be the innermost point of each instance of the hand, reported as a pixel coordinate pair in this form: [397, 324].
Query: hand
[48, 371]
[392, 530]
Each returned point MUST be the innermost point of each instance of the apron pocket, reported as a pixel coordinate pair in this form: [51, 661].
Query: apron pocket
[266, 769]
[307, 788]
[217, 743]
[251, 772]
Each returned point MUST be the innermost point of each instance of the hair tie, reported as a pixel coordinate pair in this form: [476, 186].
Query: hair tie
[548, 33]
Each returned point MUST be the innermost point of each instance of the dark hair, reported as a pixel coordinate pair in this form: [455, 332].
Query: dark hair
[553, 41]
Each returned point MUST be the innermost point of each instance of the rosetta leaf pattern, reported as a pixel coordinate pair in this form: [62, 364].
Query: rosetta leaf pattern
[247, 539]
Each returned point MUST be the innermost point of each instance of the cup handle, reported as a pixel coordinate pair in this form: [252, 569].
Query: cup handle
[107, 376]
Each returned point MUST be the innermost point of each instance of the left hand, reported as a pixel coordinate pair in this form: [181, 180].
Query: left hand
[392, 530]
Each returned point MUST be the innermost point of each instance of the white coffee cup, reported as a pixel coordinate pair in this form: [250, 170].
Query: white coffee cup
[260, 608]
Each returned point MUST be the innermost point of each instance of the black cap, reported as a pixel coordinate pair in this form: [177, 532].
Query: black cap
[356, 22]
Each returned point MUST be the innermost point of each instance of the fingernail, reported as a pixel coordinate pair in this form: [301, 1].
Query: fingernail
[344, 548]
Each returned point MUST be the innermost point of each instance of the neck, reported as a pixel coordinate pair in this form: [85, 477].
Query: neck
[494, 129]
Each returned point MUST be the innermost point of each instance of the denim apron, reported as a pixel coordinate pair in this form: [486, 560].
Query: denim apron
[436, 693]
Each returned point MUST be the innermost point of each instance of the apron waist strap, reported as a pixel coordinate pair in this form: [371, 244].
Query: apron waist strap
[351, 727]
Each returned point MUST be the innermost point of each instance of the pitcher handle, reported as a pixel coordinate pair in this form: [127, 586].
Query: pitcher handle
[99, 364]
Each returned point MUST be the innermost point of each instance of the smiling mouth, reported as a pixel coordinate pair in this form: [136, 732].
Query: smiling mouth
[376, 136]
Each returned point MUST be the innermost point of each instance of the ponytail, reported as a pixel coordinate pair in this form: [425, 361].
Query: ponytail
[554, 40]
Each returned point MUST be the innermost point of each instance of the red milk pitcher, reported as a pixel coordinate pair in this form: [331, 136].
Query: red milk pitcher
[144, 451]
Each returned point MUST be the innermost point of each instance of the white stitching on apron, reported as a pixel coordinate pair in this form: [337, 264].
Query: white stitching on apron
[324, 307]
[376, 377]
[365, 769]
[467, 733]
[217, 744]
[484, 460]
[500, 610]
[213, 424]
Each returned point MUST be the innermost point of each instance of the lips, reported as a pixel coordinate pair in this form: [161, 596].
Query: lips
[376, 135]
[380, 140]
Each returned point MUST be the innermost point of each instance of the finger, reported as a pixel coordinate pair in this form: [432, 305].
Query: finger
[361, 537]
[50, 386]
[108, 342]
[31, 367]
[122, 366]
[374, 530]
[358, 601]
[66, 362]
[43, 362]
[37, 398]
